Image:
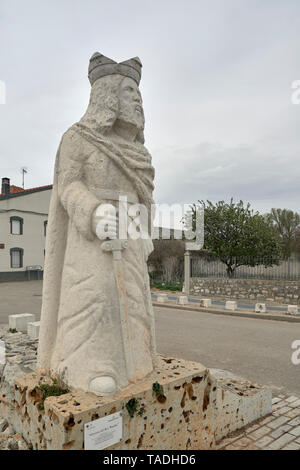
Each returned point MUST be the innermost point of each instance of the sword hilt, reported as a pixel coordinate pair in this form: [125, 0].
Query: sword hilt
[115, 247]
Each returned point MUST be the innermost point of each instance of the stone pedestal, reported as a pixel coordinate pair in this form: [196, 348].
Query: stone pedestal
[293, 310]
[162, 298]
[33, 330]
[231, 305]
[260, 308]
[20, 321]
[193, 410]
[182, 300]
[205, 303]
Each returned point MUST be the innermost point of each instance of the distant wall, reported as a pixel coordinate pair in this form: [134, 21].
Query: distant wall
[287, 292]
[13, 276]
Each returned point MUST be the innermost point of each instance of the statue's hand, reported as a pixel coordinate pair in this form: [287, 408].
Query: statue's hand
[105, 221]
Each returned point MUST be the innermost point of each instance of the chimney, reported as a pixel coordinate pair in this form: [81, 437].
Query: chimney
[5, 186]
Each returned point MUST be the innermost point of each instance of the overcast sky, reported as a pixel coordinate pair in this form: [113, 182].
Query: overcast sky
[216, 85]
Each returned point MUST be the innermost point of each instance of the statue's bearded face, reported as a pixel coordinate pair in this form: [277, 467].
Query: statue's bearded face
[130, 104]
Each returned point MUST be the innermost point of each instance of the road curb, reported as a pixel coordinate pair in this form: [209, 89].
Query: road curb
[229, 313]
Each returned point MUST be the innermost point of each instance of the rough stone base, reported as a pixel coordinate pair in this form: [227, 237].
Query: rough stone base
[198, 410]
[239, 403]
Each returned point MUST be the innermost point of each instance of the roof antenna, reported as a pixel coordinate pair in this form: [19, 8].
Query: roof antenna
[24, 171]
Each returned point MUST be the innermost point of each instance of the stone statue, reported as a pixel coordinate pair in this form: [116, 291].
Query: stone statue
[97, 323]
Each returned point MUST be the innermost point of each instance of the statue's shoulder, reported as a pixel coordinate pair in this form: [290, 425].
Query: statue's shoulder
[73, 145]
[70, 137]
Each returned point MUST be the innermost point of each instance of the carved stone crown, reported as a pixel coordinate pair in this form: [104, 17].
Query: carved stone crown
[100, 66]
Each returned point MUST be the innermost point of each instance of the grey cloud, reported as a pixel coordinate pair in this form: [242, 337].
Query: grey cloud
[216, 85]
[213, 172]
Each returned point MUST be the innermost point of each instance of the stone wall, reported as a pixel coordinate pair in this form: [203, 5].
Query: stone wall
[286, 292]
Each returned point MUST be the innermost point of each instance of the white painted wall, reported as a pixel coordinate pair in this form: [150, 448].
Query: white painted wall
[33, 208]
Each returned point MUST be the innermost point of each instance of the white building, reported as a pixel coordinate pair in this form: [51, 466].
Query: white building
[23, 227]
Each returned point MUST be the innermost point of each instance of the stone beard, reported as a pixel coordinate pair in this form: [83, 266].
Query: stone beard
[97, 332]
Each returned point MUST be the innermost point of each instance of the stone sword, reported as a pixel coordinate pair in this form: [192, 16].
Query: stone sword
[116, 247]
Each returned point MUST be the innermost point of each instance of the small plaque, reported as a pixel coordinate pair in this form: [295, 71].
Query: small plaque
[2, 246]
[103, 432]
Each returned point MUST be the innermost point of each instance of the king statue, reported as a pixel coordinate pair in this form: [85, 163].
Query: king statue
[97, 323]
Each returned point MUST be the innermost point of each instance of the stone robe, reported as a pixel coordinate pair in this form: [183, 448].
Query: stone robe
[80, 336]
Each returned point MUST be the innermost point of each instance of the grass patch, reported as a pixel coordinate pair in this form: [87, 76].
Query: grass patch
[159, 392]
[54, 390]
[12, 330]
[133, 406]
[173, 286]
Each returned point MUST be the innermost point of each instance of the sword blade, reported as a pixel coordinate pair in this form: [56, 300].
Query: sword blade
[123, 310]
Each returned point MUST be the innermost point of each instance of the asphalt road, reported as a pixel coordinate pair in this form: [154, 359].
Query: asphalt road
[259, 350]
[20, 297]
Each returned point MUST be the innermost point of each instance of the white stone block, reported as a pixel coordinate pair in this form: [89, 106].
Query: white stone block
[162, 298]
[260, 308]
[293, 309]
[231, 305]
[33, 330]
[205, 302]
[20, 321]
[182, 300]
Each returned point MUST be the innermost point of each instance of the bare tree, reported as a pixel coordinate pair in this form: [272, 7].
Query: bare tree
[287, 226]
[167, 259]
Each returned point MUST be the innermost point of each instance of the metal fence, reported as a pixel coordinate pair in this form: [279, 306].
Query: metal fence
[280, 269]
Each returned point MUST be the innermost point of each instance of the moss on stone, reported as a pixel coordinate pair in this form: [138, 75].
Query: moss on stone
[54, 390]
[133, 406]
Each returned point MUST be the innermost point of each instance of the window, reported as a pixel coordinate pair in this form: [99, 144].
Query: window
[45, 227]
[16, 225]
[16, 257]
